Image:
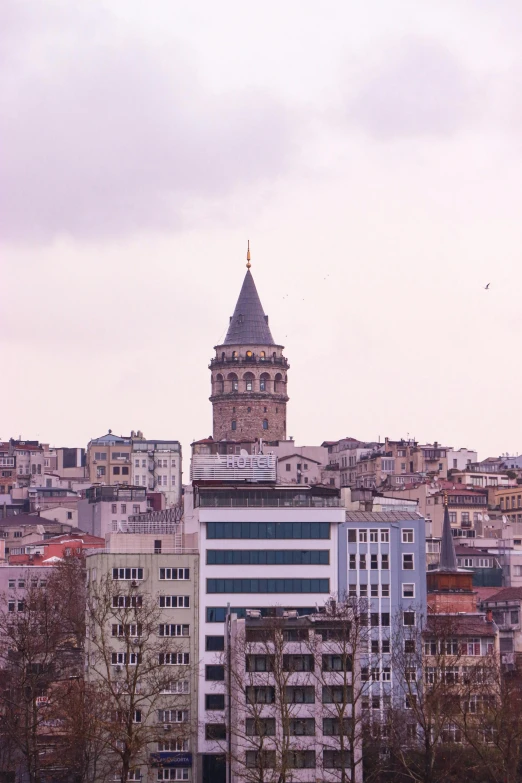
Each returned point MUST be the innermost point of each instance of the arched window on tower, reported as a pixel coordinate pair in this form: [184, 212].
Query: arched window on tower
[263, 381]
[234, 383]
[249, 355]
[265, 424]
[248, 378]
[262, 356]
[234, 424]
[234, 355]
[278, 382]
[220, 384]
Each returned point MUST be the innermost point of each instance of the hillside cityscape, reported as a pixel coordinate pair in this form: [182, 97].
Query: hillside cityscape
[259, 611]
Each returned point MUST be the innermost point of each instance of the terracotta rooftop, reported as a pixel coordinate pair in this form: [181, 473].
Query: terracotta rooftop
[507, 594]
[461, 625]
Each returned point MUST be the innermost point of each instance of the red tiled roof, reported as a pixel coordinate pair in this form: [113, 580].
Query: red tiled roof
[460, 625]
[507, 594]
[486, 593]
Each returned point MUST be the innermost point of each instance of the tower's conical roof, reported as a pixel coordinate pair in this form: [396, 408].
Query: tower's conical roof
[249, 324]
[448, 559]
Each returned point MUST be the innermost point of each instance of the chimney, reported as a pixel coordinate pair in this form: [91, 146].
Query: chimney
[489, 616]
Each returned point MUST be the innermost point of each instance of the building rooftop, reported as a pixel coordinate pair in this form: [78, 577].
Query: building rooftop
[301, 456]
[460, 625]
[249, 324]
[506, 594]
[382, 516]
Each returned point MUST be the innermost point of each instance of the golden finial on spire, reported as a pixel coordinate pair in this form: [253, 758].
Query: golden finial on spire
[445, 498]
[248, 265]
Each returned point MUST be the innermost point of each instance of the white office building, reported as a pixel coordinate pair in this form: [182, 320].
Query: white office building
[262, 546]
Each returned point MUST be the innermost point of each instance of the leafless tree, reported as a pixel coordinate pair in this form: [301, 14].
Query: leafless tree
[35, 654]
[269, 672]
[139, 675]
[431, 673]
[490, 719]
[341, 645]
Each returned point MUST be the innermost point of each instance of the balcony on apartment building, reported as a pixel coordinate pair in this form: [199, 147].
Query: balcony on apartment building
[100, 493]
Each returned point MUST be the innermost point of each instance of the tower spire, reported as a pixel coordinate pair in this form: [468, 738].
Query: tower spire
[248, 264]
[448, 560]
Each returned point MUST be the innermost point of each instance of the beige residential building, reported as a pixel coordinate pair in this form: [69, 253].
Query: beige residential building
[154, 564]
[109, 460]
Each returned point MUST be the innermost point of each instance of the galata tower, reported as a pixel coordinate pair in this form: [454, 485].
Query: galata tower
[249, 374]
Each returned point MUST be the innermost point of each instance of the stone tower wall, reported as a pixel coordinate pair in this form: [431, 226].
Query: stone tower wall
[249, 414]
[248, 388]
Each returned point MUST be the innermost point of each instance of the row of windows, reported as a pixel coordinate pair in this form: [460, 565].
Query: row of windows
[363, 536]
[121, 574]
[299, 663]
[372, 561]
[170, 629]
[408, 562]
[174, 601]
[218, 614]
[298, 759]
[372, 590]
[296, 727]
[172, 773]
[300, 694]
[174, 573]
[277, 530]
[114, 508]
[268, 557]
[165, 659]
[294, 759]
[173, 716]
[476, 562]
[373, 536]
[160, 463]
[268, 585]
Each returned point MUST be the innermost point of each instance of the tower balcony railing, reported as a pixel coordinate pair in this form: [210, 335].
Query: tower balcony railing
[276, 360]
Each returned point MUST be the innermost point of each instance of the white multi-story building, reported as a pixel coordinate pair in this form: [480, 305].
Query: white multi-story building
[261, 547]
[156, 465]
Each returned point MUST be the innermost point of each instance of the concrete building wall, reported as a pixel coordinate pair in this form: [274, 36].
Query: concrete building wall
[298, 469]
[459, 459]
[102, 563]
[213, 604]
[108, 516]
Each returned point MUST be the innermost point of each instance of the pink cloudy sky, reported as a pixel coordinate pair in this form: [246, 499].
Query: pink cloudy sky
[377, 145]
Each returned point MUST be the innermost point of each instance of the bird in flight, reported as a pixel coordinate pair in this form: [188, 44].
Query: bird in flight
[486, 288]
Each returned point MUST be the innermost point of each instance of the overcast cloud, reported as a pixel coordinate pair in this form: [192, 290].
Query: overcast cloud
[370, 152]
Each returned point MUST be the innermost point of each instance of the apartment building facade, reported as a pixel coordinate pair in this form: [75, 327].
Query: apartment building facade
[136, 461]
[290, 706]
[106, 509]
[156, 465]
[261, 547]
[155, 565]
[382, 564]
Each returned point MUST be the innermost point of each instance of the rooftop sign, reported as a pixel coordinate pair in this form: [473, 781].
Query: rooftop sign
[233, 467]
